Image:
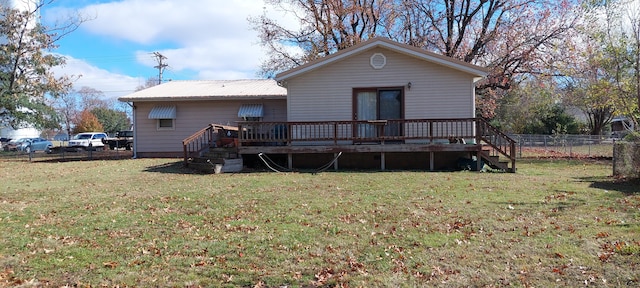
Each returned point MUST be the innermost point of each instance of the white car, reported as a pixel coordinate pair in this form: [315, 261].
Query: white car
[88, 140]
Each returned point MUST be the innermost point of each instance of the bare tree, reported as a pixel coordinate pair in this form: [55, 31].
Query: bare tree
[70, 105]
[67, 107]
[325, 27]
[151, 81]
[90, 98]
[512, 37]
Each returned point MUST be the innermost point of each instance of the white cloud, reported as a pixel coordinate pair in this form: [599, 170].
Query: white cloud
[184, 22]
[201, 39]
[212, 57]
[209, 37]
[112, 84]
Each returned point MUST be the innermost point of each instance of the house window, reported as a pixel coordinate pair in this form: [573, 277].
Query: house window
[165, 117]
[378, 104]
[165, 124]
[251, 112]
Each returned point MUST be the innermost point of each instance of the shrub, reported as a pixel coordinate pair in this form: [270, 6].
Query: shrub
[626, 159]
[632, 137]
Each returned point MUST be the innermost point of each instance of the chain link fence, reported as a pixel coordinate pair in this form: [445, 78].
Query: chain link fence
[60, 153]
[527, 145]
[532, 145]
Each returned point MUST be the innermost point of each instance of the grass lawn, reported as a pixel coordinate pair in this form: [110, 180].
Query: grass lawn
[150, 222]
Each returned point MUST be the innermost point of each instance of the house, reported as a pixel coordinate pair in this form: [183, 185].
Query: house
[166, 114]
[378, 104]
[621, 126]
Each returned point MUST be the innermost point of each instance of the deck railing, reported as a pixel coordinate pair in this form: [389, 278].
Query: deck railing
[197, 142]
[500, 142]
[408, 131]
[204, 139]
[348, 132]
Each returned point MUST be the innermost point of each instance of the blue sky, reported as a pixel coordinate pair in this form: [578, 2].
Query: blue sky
[201, 39]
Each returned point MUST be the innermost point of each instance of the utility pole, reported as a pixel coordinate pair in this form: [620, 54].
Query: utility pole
[161, 65]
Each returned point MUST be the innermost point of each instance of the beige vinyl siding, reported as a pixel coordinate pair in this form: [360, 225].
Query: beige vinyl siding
[192, 116]
[326, 93]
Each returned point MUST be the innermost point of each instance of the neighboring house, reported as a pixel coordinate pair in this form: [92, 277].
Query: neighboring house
[61, 137]
[382, 103]
[621, 126]
[166, 114]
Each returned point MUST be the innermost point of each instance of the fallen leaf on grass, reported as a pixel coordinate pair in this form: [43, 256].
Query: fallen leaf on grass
[7, 274]
[357, 266]
[136, 262]
[323, 276]
[227, 278]
[110, 264]
[558, 271]
[604, 257]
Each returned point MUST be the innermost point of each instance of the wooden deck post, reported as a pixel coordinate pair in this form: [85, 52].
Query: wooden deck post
[513, 157]
[186, 156]
[431, 161]
[290, 161]
[382, 161]
[335, 164]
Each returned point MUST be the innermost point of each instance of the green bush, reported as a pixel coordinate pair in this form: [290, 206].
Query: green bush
[632, 137]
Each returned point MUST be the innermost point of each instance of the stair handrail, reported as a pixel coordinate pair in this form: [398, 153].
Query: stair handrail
[486, 132]
[193, 144]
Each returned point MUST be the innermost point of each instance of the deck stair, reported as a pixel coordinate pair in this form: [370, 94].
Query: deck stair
[210, 151]
[496, 147]
[227, 157]
[494, 161]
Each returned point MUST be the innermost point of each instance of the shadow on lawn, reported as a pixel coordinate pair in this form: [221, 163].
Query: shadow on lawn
[171, 168]
[626, 186]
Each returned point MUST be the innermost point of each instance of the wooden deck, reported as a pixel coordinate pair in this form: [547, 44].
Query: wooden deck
[364, 148]
[386, 136]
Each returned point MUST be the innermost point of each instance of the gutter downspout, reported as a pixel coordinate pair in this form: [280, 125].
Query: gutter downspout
[135, 130]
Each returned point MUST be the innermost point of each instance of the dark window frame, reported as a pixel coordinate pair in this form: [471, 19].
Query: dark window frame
[354, 99]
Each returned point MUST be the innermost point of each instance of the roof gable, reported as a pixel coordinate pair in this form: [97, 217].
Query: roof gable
[412, 51]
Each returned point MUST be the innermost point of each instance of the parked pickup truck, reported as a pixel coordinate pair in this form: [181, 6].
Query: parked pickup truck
[123, 139]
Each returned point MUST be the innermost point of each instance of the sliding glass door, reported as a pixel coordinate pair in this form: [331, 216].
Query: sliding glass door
[378, 104]
[390, 108]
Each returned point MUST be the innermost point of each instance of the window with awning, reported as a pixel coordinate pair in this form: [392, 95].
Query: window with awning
[251, 112]
[163, 112]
